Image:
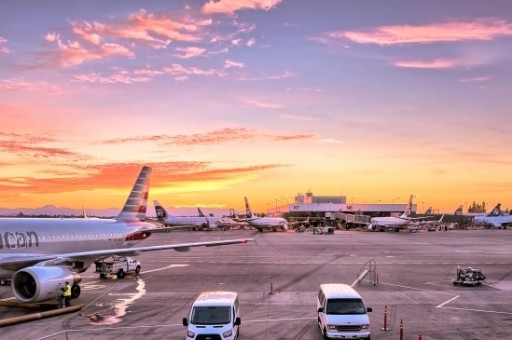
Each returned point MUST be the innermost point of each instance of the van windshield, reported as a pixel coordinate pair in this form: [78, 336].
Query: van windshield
[345, 306]
[212, 315]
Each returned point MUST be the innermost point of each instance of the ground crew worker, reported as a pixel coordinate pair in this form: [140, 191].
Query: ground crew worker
[67, 294]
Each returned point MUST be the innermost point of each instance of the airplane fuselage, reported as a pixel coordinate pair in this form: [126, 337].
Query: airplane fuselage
[268, 222]
[495, 221]
[185, 220]
[21, 237]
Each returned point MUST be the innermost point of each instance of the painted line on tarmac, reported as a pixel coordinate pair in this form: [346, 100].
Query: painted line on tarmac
[413, 288]
[447, 302]
[163, 268]
[479, 310]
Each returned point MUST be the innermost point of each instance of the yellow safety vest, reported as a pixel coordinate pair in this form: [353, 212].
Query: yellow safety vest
[67, 292]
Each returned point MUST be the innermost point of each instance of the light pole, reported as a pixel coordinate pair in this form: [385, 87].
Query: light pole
[422, 205]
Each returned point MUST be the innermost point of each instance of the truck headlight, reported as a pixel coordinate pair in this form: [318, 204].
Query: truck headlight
[227, 333]
[365, 326]
[191, 334]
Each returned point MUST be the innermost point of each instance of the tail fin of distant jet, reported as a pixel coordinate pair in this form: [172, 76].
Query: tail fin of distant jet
[459, 211]
[161, 213]
[248, 211]
[408, 210]
[428, 211]
[496, 211]
[137, 202]
[200, 212]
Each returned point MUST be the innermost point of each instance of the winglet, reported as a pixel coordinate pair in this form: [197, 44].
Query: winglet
[137, 202]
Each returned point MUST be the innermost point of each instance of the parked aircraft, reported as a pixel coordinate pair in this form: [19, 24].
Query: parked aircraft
[264, 223]
[39, 255]
[495, 218]
[219, 222]
[169, 220]
[397, 223]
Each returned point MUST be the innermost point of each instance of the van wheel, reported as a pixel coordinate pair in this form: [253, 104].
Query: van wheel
[75, 291]
[120, 274]
[137, 270]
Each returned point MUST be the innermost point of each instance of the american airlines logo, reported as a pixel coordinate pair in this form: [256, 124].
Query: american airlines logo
[13, 240]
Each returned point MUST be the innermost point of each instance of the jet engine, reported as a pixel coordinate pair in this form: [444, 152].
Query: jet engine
[37, 284]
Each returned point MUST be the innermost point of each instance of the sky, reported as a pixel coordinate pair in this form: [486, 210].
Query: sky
[374, 100]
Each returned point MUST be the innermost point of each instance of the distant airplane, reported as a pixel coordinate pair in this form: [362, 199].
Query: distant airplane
[398, 223]
[216, 222]
[38, 255]
[264, 223]
[169, 220]
[428, 211]
[494, 218]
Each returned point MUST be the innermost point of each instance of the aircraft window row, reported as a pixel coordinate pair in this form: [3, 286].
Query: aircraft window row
[80, 236]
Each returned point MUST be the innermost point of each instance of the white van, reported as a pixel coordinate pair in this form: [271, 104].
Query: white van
[214, 316]
[341, 313]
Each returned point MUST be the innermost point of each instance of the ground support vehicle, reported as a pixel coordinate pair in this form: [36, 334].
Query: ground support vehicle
[469, 277]
[117, 265]
[323, 230]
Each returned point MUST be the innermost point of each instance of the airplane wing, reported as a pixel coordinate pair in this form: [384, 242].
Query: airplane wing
[15, 263]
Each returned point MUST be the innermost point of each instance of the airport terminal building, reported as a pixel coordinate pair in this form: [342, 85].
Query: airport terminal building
[335, 208]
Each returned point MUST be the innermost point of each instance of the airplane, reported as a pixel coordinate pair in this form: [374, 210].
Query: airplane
[459, 211]
[262, 223]
[494, 218]
[169, 220]
[428, 211]
[38, 255]
[400, 222]
[215, 222]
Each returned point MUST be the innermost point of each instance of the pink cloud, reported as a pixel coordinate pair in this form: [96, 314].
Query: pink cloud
[475, 79]
[145, 75]
[231, 6]
[483, 29]
[189, 52]
[226, 135]
[3, 42]
[231, 64]
[17, 84]
[433, 64]
[74, 53]
[264, 105]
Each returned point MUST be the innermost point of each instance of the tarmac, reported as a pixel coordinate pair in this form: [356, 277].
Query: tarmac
[277, 278]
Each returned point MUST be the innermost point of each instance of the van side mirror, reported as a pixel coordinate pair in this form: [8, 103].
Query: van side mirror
[320, 310]
[369, 309]
[185, 322]
[238, 322]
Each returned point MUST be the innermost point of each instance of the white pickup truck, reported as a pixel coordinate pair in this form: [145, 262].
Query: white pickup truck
[117, 265]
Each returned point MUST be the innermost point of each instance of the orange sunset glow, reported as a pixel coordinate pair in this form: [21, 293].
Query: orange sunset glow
[257, 98]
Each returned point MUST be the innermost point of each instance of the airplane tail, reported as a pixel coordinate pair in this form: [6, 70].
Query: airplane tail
[200, 212]
[161, 213]
[137, 202]
[247, 208]
[428, 211]
[458, 211]
[408, 210]
[496, 211]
